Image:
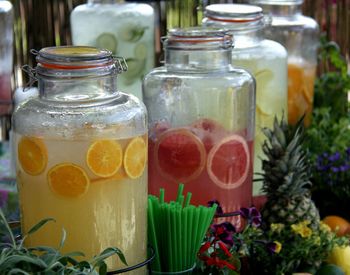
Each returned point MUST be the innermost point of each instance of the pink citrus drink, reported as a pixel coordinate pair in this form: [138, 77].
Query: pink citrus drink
[212, 162]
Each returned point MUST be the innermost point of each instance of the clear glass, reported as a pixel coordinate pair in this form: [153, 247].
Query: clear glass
[201, 120]
[126, 29]
[6, 63]
[265, 59]
[300, 36]
[81, 150]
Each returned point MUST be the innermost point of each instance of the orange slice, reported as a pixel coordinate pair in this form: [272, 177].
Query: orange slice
[104, 157]
[135, 158]
[120, 175]
[32, 155]
[68, 180]
[180, 155]
[228, 162]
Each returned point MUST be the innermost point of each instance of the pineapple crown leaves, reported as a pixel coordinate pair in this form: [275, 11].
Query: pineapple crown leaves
[286, 170]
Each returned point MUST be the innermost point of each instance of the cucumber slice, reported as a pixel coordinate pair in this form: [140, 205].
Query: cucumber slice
[107, 41]
[140, 51]
[132, 32]
[135, 70]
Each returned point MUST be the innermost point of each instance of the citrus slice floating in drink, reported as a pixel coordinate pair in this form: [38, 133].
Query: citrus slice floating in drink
[209, 131]
[228, 162]
[104, 157]
[135, 158]
[179, 155]
[68, 180]
[32, 155]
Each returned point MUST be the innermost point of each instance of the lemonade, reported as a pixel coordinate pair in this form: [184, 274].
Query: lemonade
[301, 78]
[94, 189]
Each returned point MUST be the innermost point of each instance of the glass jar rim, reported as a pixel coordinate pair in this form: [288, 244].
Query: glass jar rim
[77, 61]
[198, 38]
[237, 17]
[235, 13]
[73, 57]
[278, 2]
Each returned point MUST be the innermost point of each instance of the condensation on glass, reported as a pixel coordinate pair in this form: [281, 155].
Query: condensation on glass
[299, 35]
[81, 150]
[201, 120]
[126, 29]
[265, 59]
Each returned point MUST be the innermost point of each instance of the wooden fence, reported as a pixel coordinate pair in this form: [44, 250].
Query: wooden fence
[43, 23]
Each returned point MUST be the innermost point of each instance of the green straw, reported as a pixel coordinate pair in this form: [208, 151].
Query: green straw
[176, 230]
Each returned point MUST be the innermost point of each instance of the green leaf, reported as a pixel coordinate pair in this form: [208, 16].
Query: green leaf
[109, 252]
[39, 225]
[17, 271]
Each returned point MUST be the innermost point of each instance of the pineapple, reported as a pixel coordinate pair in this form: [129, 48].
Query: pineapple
[286, 177]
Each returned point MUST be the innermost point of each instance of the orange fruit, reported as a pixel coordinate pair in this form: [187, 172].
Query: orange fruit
[228, 162]
[337, 224]
[68, 180]
[104, 157]
[179, 155]
[135, 158]
[120, 175]
[32, 155]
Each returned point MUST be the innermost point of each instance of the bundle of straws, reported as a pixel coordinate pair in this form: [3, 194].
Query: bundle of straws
[176, 230]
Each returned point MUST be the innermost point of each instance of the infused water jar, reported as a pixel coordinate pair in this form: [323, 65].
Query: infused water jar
[201, 120]
[299, 35]
[81, 149]
[265, 59]
[126, 29]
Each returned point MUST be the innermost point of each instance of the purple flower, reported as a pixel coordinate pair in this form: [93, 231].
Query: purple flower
[335, 169]
[334, 157]
[224, 232]
[347, 151]
[218, 209]
[344, 168]
[252, 215]
[274, 247]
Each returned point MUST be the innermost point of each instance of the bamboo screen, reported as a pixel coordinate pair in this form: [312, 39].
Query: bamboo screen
[43, 23]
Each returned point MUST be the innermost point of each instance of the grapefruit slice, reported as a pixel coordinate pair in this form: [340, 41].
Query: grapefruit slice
[209, 131]
[179, 155]
[228, 162]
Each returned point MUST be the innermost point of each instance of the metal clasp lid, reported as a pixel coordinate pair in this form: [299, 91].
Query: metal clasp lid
[122, 66]
[32, 76]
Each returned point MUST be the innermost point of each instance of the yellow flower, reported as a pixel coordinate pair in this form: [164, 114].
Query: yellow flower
[302, 229]
[277, 227]
[278, 247]
[324, 227]
[317, 240]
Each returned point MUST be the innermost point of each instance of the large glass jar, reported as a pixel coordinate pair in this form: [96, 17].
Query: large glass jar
[201, 120]
[299, 34]
[81, 150]
[126, 29]
[6, 62]
[265, 59]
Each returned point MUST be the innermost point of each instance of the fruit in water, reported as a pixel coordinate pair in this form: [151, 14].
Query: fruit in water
[104, 157]
[179, 155]
[68, 180]
[228, 162]
[107, 41]
[209, 131]
[32, 155]
[135, 158]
